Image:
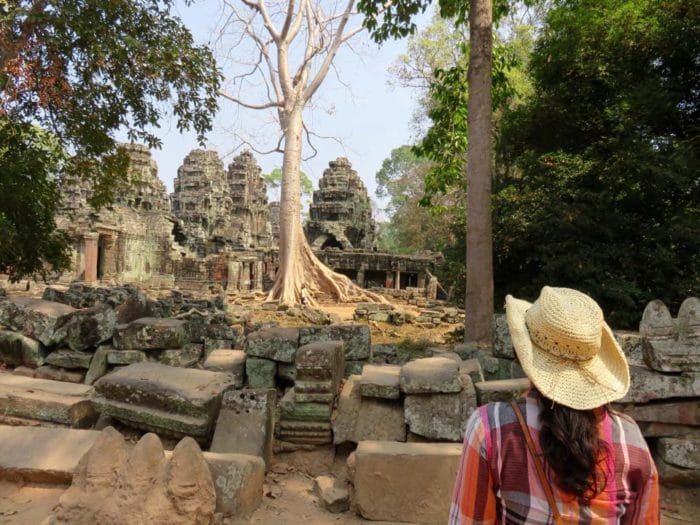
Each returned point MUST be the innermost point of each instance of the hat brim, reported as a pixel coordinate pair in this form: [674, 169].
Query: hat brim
[581, 385]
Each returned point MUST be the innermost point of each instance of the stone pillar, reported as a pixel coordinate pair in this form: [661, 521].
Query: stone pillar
[397, 282]
[245, 276]
[389, 283]
[90, 240]
[258, 275]
[109, 258]
[234, 274]
[421, 280]
[361, 277]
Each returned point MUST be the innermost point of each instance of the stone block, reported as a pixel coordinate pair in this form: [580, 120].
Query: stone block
[320, 361]
[381, 420]
[439, 351]
[438, 416]
[432, 375]
[238, 481]
[502, 344]
[88, 327]
[651, 429]
[98, 365]
[314, 387]
[150, 333]
[55, 373]
[471, 368]
[383, 353]
[353, 368]
[332, 495]
[670, 355]
[44, 400]
[688, 320]
[70, 359]
[355, 338]
[680, 452]
[35, 318]
[501, 390]
[631, 345]
[348, 409]
[125, 357]
[670, 475]
[277, 344]
[291, 410]
[164, 399]
[17, 349]
[390, 481]
[185, 357]
[657, 322]
[245, 423]
[646, 385]
[681, 412]
[229, 361]
[19, 457]
[380, 381]
[261, 372]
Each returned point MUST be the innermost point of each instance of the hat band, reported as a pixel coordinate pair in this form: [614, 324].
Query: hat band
[556, 348]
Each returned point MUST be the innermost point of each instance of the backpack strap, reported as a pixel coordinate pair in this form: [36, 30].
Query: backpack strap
[538, 464]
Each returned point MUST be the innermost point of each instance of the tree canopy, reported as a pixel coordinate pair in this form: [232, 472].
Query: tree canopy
[80, 71]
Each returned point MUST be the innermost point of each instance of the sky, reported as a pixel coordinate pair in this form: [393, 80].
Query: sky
[370, 117]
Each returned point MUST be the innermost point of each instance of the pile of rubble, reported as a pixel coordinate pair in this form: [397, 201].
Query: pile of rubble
[387, 313]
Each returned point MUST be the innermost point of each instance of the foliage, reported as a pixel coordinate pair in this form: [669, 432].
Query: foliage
[273, 180]
[85, 69]
[598, 184]
[29, 156]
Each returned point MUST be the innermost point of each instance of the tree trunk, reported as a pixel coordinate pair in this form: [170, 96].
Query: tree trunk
[298, 266]
[479, 292]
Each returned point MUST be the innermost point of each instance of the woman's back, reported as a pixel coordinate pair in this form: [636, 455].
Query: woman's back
[502, 471]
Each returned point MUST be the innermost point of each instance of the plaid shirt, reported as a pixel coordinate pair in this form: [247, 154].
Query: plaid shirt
[497, 481]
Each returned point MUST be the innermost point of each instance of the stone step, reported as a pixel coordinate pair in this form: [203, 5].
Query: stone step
[42, 455]
[401, 493]
[67, 404]
[500, 390]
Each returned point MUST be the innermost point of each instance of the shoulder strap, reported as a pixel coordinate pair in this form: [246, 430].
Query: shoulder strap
[538, 464]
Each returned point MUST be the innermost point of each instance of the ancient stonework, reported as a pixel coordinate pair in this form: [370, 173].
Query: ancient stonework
[341, 214]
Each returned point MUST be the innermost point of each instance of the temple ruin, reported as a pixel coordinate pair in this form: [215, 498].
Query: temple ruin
[217, 230]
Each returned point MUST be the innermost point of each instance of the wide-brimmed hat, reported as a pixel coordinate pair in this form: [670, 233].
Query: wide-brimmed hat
[566, 348]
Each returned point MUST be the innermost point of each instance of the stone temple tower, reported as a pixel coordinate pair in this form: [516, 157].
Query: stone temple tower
[340, 214]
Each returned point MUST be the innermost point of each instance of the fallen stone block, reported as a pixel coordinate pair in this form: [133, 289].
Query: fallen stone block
[646, 385]
[321, 361]
[87, 327]
[167, 399]
[688, 320]
[261, 372]
[501, 390]
[70, 359]
[380, 419]
[63, 449]
[125, 357]
[229, 361]
[98, 365]
[669, 355]
[185, 357]
[438, 416]
[471, 368]
[43, 400]
[389, 480]
[502, 344]
[353, 368]
[55, 373]
[238, 481]
[657, 322]
[355, 338]
[332, 495]
[631, 345]
[681, 412]
[680, 452]
[670, 475]
[17, 349]
[35, 318]
[245, 423]
[150, 333]
[380, 381]
[653, 430]
[276, 344]
[292, 410]
[431, 375]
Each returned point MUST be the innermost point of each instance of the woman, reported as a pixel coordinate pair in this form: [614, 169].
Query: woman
[594, 466]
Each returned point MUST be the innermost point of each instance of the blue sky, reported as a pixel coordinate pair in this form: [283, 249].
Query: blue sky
[371, 118]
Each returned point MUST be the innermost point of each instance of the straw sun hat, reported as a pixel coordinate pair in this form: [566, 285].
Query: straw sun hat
[566, 349]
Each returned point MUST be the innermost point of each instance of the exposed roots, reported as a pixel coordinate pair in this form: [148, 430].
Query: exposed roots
[306, 270]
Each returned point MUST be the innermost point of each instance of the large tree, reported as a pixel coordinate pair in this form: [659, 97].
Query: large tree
[73, 73]
[295, 43]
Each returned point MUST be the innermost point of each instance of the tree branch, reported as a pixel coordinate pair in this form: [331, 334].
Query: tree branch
[266, 105]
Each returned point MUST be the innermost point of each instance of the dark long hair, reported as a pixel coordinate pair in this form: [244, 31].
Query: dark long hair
[573, 449]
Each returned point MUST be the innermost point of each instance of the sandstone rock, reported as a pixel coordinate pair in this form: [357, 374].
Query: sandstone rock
[17, 349]
[383, 353]
[656, 322]
[471, 368]
[380, 381]
[55, 373]
[87, 327]
[292, 410]
[19, 457]
[50, 401]
[501, 390]
[631, 345]
[277, 344]
[245, 423]
[646, 385]
[390, 480]
[331, 494]
[355, 338]
[35, 318]
[353, 368]
[238, 481]
[185, 357]
[445, 354]
[438, 416]
[166, 399]
[502, 344]
[651, 429]
[125, 357]
[680, 452]
[229, 361]
[670, 475]
[431, 375]
[669, 355]
[689, 319]
[70, 359]
[682, 412]
[98, 365]
[381, 420]
[261, 372]
[151, 333]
